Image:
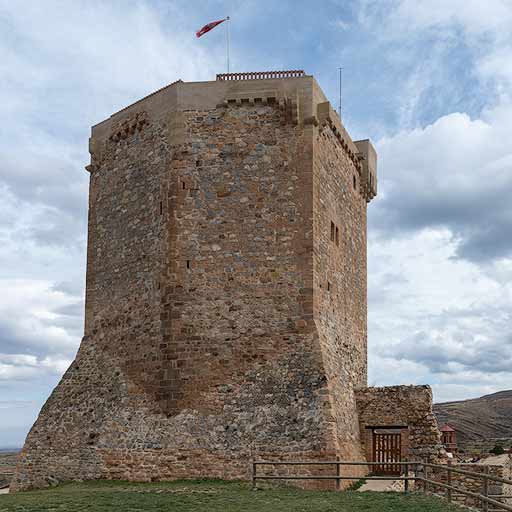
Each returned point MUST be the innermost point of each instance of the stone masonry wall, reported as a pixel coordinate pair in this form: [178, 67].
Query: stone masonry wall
[208, 339]
[473, 483]
[339, 266]
[409, 407]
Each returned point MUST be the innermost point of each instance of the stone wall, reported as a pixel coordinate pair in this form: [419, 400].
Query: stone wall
[405, 407]
[472, 483]
[339, 281]
[210, 337]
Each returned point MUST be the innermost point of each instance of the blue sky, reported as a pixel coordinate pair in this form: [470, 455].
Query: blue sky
[428, 81]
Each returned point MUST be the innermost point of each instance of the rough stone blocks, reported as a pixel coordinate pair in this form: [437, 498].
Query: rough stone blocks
[226, 290]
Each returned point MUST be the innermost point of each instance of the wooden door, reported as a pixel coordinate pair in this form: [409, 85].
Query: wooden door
[387, 448]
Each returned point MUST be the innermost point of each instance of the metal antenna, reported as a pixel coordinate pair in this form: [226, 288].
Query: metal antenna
[227, 42]
[339, 109]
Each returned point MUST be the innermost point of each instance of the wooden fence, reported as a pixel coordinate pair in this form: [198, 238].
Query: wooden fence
[422, 472]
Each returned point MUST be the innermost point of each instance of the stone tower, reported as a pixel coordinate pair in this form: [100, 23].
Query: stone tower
[226, 302]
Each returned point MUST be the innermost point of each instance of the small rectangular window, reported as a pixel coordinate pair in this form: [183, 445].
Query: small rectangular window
[332, 231]
[337, 236]
[188, 263]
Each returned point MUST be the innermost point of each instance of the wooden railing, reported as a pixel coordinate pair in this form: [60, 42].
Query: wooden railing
[421, 472]
[484, 496]
[261, 75]
[338, 477]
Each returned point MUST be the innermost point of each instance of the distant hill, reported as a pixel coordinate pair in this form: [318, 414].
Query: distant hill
[487, 417]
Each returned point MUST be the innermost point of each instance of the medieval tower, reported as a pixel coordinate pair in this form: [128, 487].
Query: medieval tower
[226, 311]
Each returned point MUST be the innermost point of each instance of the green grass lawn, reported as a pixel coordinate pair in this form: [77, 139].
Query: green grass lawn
[209, 496]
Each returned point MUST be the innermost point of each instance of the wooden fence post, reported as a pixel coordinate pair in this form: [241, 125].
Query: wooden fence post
[406, 482]
[425, 476]
[338, 474]
[253, 475]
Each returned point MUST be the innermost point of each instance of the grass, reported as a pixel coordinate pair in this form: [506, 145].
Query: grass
[209, 496]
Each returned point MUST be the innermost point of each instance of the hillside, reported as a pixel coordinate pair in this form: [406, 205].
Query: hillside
[487, 417]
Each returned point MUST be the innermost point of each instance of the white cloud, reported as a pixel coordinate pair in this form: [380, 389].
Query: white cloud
[22, 367]
[484, 28]
[16, 404]
[453, 174]
[446, 186]
[341, 24]
[66, 66]
[439, 246]
[31, 319]
[94, 57]
[440, 255]
[472, 15]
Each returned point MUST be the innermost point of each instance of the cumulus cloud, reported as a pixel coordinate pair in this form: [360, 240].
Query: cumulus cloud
[428, 81]
[454, 174]
[36, 320]
[455, 353]
[435, 318]
[66, 66]
[443, 218]
[22, 367]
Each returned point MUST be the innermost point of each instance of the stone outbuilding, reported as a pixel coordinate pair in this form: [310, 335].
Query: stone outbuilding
[397, 423]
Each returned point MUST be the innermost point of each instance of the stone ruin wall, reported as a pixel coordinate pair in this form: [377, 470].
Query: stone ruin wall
[401, 406]
[205, 345]
[473, 483]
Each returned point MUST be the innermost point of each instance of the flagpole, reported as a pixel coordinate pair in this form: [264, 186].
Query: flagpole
[227, 42]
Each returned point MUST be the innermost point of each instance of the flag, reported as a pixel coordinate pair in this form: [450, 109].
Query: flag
[208, 27]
